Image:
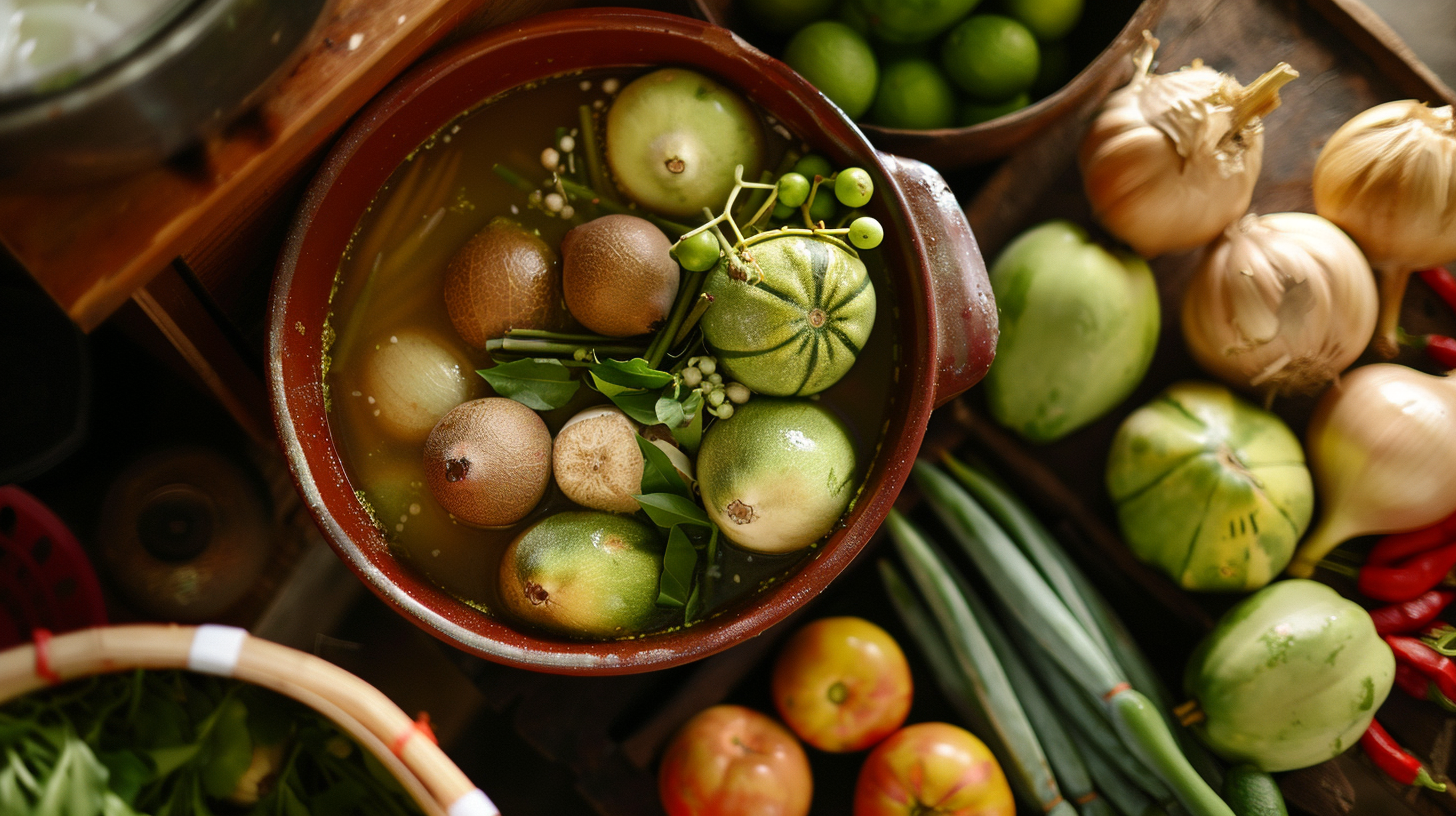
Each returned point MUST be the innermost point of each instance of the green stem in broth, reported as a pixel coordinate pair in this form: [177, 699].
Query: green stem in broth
[547, 348]
[703, 302]
[665, 338]
[516, 180]
[578, 192]
[592, 147]
[562, 337]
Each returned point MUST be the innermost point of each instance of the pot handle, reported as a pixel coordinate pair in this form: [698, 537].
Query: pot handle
[960, 291]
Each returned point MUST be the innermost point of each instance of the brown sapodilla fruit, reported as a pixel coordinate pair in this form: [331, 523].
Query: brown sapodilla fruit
[504, 277]
[618, 276]
[488, 461]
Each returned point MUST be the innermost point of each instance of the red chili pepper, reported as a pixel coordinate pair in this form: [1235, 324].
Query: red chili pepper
[1394, 547]
[1442, 282]
[1417, 685]
[1406, 580]
[1438, 347]
[1393, 759]
[1412, 615]
[1436, 667]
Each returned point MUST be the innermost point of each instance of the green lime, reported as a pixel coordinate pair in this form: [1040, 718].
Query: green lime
[813, 165]
[783, 16]
[1047, 19]
[914, 94]
[854, 187]
[974, 113]
[838, 61]
[698, 253]
[991, 57]
[793, 189]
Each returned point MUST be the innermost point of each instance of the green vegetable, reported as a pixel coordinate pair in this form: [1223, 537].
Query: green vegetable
[1078, 328]
[1289, 678]
[977, 662]
[1021, 589]
[1252, 792]
[799, 329]
[911, 21]
[1210, 489]
[165, 743]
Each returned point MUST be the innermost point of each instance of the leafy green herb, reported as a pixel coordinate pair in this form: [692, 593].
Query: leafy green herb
[669, 412]
[667, 510]
[679, 562]
[658, 473]
[641, 406]
[542, 383]
[692, 435]
[634, 373]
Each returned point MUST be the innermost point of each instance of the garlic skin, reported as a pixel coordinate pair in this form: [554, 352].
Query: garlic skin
[1171, 159]
[1281, 304]
[1382, 446]
[1388, 178]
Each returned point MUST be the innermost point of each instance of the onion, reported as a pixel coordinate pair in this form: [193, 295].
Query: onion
[1171, 159]
[1281, 304]
[1388, 177]
[1382, 446]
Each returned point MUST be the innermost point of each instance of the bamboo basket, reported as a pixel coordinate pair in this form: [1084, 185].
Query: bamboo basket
[361, 710]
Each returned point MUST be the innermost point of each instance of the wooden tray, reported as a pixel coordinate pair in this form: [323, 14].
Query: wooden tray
[610, 731]
[1348, 61]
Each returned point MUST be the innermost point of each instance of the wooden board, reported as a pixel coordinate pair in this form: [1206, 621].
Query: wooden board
[1348, 61]
[92, 247]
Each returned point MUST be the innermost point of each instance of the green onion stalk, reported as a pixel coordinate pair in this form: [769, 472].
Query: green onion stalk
[1024, 591]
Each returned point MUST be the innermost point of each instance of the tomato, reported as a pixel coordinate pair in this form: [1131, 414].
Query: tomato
[932, 767]
[842, 684]
[733, 761]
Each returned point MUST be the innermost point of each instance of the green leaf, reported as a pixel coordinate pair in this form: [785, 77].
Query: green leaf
[679, 562]
[658, 474]
[168, 760]
[75, 785]
[693, 610]
[229, 749]
[635, 373]
[541, 384]
[691, 436]
[667, 510]
[640, 405]
[129, 771]
[669, 412]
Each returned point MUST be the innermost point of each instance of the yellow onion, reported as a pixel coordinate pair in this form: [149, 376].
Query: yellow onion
[1281, 304]
[1382, 445]
[1388, 177]
[1171, 159]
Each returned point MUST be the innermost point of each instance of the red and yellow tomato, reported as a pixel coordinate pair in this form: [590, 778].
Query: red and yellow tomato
[932, 768]
[842, 684]
[733, 761]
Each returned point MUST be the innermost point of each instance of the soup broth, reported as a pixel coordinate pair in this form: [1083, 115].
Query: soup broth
[389, 291]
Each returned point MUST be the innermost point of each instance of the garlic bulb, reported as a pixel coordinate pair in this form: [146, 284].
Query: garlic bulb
[1171, 159]
[1388, 177]
[1282, 304]
[1382, 445]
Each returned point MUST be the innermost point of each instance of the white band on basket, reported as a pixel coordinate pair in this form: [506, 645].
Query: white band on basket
[215, 649]
[475, 803]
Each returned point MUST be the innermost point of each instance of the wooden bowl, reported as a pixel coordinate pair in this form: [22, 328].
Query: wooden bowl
[1103, 71]
[944, 325]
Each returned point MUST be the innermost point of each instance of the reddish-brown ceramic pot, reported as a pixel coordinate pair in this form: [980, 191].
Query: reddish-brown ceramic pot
[945, 318]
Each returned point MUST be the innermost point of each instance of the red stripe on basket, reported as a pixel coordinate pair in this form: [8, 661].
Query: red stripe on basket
[43, 670]
[419, 726]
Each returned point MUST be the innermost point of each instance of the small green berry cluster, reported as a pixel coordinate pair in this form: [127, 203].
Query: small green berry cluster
[719, 397]
[853, 188]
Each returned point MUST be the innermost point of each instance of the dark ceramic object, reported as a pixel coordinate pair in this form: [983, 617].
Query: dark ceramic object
[945, 326]
[949, 148]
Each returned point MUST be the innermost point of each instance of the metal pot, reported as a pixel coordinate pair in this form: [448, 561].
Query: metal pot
[945, 322]
[180, 79]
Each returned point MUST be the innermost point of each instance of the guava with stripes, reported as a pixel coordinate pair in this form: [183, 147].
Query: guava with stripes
[796, 330]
